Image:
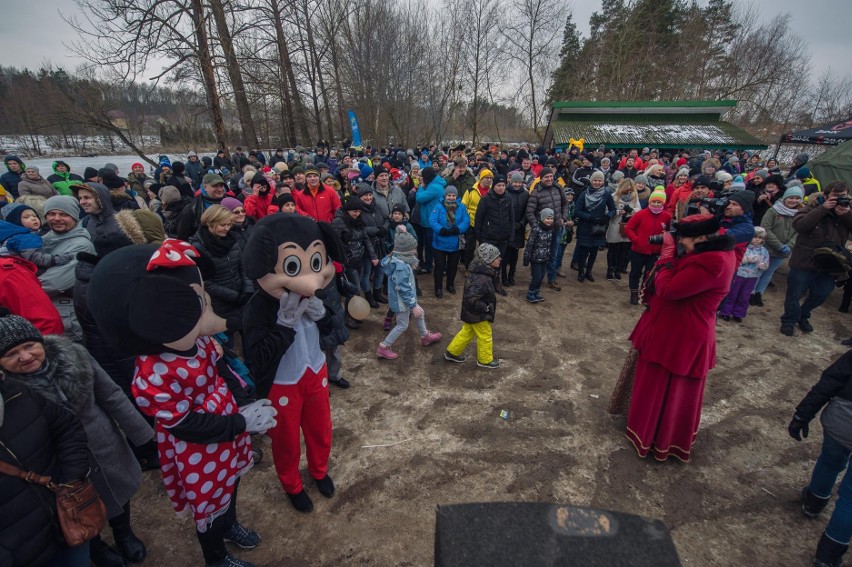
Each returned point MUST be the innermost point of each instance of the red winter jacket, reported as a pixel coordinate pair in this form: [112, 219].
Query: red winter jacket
[258, 206]
[644, 224]
[320, 207]
[678, 329]
[21, 294]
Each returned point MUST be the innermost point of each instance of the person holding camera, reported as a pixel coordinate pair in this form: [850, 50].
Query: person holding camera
[676, 337]
[825, 221]
[834, 393]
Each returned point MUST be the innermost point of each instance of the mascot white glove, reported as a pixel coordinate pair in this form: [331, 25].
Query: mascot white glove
[315, 310]
[290, 310]
[259, 416]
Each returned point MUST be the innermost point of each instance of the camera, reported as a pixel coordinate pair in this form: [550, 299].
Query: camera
[715, 205]
[843, 201]
[658, 238]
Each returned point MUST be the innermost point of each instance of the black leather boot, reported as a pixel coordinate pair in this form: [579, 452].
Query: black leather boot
[829, 553]
[377, 295]
[130, 546]
[371, 300]
[103, 555]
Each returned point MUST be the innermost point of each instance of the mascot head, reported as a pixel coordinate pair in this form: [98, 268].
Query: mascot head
[291, 253]
[147, 299]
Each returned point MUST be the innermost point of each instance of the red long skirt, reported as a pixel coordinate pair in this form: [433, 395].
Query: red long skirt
[665, 411]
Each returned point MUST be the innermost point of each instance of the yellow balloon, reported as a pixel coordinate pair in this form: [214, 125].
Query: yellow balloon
[358, 308]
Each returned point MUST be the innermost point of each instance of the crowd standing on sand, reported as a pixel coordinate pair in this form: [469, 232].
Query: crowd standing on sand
[242, 275]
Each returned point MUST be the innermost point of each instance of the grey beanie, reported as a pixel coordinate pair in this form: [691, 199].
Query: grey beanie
[32, 167]
[64, 203]
[488, 253]
[169, 194]
[762, 173]
[517, 177]
[451, 190]
[643, 179]
[598, 174]
[683, 171]
[111, 166]
[545, 212]
[615, 177]
[404, 243]
[14, 331]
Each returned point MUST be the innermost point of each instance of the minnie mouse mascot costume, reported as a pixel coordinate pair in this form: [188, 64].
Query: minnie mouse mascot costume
[291, 258]
[164, 318]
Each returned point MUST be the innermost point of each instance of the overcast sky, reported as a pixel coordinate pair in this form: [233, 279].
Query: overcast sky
[32, 31]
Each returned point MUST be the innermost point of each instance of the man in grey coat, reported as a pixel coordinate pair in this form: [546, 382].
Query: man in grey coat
[66, 236]
[549, 195]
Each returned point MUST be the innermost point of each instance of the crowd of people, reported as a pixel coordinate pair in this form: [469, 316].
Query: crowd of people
[698, 235]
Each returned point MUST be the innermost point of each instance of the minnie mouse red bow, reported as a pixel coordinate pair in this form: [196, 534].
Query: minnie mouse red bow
[172, 254]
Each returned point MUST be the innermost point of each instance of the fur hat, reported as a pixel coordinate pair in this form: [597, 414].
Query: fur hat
[14, 331]
[698, 225]
[487, 253]
[545, 212]
[404, 244]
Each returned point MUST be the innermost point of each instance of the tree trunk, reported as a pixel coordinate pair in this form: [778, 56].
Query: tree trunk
[234, 75]
[205, 64]
[318, 72]
[338, 87]
[285, 71]
[313, 68]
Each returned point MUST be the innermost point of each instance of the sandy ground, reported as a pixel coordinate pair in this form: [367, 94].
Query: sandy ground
[735, 503]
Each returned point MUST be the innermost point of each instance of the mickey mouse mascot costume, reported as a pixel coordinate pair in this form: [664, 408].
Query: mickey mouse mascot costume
[164, 318]
[291, 258]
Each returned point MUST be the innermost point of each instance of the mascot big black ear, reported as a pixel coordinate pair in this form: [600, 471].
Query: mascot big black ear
[272, 231]
[261, 250]
[138, 310]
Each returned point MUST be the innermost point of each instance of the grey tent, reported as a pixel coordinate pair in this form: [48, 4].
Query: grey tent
[833, 165]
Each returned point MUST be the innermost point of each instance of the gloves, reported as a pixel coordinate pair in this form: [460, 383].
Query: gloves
[454, 230]
[315, 309]
[417, 311]
[291, 308]
[63, 259]
[785, 250]
[444, 232]
[669, 247]
[259, 416]
[798, 428]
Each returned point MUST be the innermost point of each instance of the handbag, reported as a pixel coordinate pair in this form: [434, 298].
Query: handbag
[598, 229]
[81, 512]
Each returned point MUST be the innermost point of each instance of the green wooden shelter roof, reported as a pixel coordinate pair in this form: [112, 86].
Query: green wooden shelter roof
[672, 132]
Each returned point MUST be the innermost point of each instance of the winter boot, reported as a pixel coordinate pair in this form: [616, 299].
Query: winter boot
[589, 276]
[430, 338]
[130, 546]
[758, 299]
[388, 323]
[812, 505]
[610, 274]
[377, 295]
[386, 352]
[634, 297]
[103, 555]
[829, 553]
[371, 300]
[301, 501]
[617, 275]
[326, 486]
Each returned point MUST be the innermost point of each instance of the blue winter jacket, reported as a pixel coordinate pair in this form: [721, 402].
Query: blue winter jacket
[740, 228]
[438, 220]
[15, 238]
[402, 293]
[430, 197]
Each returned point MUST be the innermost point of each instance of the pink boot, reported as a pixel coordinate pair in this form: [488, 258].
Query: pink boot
[430, 338]
[386, 352]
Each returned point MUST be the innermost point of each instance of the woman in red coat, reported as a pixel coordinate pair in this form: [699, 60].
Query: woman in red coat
[676, 337]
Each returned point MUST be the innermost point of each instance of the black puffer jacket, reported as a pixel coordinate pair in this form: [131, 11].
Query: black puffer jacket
[495, 218]
[519, 199]
[374, 220]
[35, 435]
[836, 381]
[539, 244]
[353, 234]
[229, 288]
[335, 334]
[480, 298]
[242, 232]
[120, 367]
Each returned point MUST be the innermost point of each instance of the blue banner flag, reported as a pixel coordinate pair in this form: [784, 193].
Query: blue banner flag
[356, 132]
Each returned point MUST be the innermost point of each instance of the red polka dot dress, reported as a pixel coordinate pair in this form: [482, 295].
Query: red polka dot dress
[199, 478]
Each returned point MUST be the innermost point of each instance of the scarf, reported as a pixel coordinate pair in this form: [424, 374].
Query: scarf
[217, 245]
[592, 197]
[451, 211]
[627, 198]
[783, 210]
